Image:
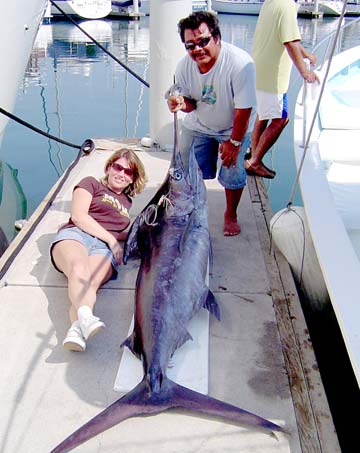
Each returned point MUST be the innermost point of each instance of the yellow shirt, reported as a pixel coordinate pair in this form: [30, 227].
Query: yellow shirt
[276, 25]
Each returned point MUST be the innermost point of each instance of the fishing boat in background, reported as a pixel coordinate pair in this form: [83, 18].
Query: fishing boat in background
[86, 9]
[327, 8]
[331, 8]
[249, 7]
[327, 137]
[20, 21]
[19, 25]
[353, 8]
[119, 7]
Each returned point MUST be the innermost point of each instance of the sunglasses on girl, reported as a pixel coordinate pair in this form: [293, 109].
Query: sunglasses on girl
[119, 168]
[203, 42]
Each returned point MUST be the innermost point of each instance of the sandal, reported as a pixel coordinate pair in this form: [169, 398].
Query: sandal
[250, 170]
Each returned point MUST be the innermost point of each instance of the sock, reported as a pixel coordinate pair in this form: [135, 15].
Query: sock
[84, 312]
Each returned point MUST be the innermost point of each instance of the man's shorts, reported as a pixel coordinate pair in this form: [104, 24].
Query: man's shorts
[271, 105]
[93, 245]
[206, 149]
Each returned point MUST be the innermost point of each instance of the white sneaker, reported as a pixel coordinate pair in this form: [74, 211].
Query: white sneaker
[90, 326]
[74, 340]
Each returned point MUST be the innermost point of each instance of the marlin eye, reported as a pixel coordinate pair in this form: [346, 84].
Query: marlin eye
[176, 174]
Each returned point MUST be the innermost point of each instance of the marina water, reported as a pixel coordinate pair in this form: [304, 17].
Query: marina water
[75, 91]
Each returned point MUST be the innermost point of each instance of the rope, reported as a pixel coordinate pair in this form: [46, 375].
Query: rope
[39, 131]
[150, 214]
[101, 46]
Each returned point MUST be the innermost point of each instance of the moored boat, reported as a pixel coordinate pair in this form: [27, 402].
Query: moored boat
[330, 186]
[20, 23]
[249, 7]
[121, 7]
[87, 9]
[330, 7]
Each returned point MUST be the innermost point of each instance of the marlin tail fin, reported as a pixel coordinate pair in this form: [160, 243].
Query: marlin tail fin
[141, 401]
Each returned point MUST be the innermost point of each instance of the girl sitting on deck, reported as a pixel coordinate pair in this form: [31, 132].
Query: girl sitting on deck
[87, 248]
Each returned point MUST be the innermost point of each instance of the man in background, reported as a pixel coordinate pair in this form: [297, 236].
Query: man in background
[276, 46]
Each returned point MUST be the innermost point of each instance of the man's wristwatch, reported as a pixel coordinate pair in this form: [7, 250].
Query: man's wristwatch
[234, 142]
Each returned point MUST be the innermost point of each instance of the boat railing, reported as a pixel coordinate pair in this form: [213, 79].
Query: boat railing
[312, 93]
[337, 36]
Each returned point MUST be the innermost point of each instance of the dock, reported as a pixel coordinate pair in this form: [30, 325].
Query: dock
[260, 355]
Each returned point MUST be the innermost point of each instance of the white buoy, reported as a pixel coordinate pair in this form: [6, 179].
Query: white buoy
[19, 224]
[290, 233]
[146, 142]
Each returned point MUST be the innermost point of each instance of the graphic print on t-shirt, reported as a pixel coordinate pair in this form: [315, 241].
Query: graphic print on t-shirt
[115, 204]
[208, 94]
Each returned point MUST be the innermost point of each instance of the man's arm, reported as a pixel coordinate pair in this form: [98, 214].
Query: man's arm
[229, 152]
[297, 53]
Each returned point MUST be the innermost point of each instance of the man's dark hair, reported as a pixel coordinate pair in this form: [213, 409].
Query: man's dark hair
[193, 22]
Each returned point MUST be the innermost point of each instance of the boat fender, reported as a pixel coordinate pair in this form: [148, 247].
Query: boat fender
[146, 142]
[19, 224]
[291, 235]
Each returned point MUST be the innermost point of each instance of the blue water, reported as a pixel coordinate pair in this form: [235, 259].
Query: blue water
[73, 90]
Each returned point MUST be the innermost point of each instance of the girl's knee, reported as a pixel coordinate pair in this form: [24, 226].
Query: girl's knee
[79, 270]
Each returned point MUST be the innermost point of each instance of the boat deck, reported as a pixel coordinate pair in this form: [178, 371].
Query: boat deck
[260, 354]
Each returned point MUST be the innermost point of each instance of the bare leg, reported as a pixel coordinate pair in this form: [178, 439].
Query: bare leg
[259, 127]
[85, 273]
[263, 139]
[231, 225]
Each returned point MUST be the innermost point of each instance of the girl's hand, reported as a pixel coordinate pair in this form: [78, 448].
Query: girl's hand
[117, 250]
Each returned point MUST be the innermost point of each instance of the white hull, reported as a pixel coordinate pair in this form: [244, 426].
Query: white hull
[330, 182]
[19, 24]
[335, 9]
[330, 7]
[87, 9]
[144, 7]
[248, 7]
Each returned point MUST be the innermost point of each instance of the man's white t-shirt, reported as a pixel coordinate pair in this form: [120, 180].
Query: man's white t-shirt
[229, 85]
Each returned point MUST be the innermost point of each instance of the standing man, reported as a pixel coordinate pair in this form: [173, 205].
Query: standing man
[276, 46]
[217, 85]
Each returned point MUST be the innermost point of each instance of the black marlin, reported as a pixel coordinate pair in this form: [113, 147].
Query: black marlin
[172, 236]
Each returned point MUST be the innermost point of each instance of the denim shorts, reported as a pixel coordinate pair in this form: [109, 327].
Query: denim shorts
[206, 149]
[93, 245]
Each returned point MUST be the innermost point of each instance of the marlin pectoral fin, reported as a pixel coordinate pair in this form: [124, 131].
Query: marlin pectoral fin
[131, 344]
[131, 243]
[183, 337]
[211, 304]
[186, 232]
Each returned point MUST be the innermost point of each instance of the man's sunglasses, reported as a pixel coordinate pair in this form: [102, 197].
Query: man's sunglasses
[119, 168]
[203, 42]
